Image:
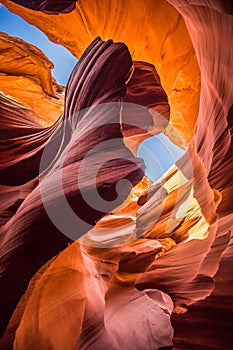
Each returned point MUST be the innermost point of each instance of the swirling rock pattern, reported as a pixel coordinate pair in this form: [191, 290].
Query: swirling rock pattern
[23, 165]
[166, 38]
[150, 273]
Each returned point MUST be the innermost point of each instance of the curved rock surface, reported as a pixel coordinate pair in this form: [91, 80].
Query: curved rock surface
[26, 76]
[154, 270]
[23, 148]
[166, 40]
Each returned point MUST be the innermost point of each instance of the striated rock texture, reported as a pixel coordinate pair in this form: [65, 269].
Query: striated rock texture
[213, 140]
[153, 31]
[26, 76]
[20, 168]
[130, 264]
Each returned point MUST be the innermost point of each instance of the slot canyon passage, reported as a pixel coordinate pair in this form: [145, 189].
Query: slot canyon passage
[94, 254]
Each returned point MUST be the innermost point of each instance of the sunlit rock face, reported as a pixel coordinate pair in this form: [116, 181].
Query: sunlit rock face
[153, 268]
[162, 40]
[26, 76]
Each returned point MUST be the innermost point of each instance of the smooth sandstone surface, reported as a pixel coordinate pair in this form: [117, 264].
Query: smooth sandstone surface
[26, 76]
[155, 269]
[153, 31]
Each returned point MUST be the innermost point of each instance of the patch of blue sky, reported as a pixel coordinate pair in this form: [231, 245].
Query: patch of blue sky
[159, 154]
[62, 59]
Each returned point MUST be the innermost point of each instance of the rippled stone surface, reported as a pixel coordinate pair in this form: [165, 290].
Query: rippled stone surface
[155, 269]
[153, 31]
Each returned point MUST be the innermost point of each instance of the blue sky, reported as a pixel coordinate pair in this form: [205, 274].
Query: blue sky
[158, 152]
[62, 59]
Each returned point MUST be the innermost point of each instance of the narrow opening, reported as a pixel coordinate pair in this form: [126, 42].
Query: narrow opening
[62, 59]
[159, 154]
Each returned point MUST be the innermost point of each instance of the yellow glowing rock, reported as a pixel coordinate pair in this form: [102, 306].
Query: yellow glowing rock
[154, 32]
[26, 76]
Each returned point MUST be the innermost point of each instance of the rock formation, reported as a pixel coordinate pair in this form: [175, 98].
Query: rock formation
[93, 254]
